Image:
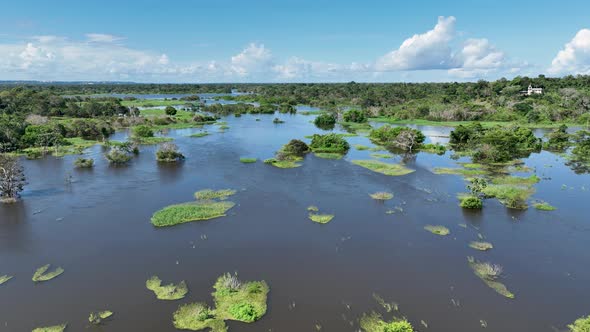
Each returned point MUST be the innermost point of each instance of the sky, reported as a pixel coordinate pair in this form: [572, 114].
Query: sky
[177, 41]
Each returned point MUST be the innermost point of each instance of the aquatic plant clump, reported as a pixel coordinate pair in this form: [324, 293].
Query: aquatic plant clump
[321, 218]
[374, 323]
[84, 163]
[241, 301]
[248, 160]
[282, 163]
[313, 208]
[381, 196]
[328, 155]
[383, 168]
[166, 292]
[208, 194]
[470, 202]
[42, 275]
[96, 318]
[511, 196]
[55, 328]
[197, 316]
[186, 212]
[438, 230]
[580, 325]
[480, 245]
[201, 134]
[544, 206]
[489, 273]
[4, 278]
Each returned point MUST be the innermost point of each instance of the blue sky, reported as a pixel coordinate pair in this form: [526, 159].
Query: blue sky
[301, 41]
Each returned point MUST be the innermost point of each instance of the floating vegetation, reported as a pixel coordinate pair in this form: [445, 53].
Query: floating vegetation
[321, 218]
[383, 168]
[468, 201]
[543, 206]
[42, 275]
[96, 318]
[516, 180]
[55, 328]
[433, 148]
[438, 230]
[208, 194]
[489, 273]
[4, 278]
[234, 300]
[580, 325]
[361, 147]
[201, 134]
[313, 208]
[481, 245]
[193, 211]
[328, 155]
[381, 196]
[382, 155]
[459, 171]
[511, 196]
[166, 292]
[248, 160]
[387, 306]
[283, 163]
[374, 323]
[84, 163]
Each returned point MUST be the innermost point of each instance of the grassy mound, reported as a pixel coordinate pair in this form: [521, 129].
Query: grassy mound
[328, 155]
[283, 163]
[321, 218]
[438, 230]
[42, 275]
[383, 168]
[4, 278]
[489, 273]
[248, 160]
[480, 245]
[55, 328]
[544, 206]
[381, 196]
[96, 318]
[516, 180]
[193, 211]
[197, 316]
[208, 194]
[166, 292]
[374, 323]
[511, 196]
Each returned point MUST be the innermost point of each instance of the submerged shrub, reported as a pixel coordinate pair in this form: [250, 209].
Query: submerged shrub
[96, 318]
[321, 218]
[229, 282]
[84, 163]
[168, 152]
[438, 230]
[295, 147]
[381, 196]
[118, 156]
[489, 273]
[55, 328]
[325, 121]
[374, 323]
[42, 275]
[470, 202]
[4, 278]
[166, 292]
[142, 131]
[383, 168]
[401, 137]
[480, 245]
[513, 197]
[329, 143]
[544, 206]
[196, 316]
[356, 116]
[248, 160]
[580, 325]
[208, 194]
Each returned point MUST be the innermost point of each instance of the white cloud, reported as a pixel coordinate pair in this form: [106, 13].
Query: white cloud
[477, 58]
[575, 57]
[429, 50]
[253, 59]
[102, 38]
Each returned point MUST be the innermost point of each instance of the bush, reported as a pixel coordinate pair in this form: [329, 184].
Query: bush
[169, 110]
[356, 116]
[401, 137]
[580, 325]
[143, 131]
[84, 163]
[463, 134]
[244, 312]
[295, 147]
[325, 121]
[471, 202]
[117, 156]
[168, 152]
[202, 118]
[329, 143]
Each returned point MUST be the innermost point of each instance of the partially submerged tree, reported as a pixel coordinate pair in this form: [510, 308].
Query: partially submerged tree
[12, 179]
[168, 152]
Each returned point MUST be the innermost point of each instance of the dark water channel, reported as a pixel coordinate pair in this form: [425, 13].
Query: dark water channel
[98, 229]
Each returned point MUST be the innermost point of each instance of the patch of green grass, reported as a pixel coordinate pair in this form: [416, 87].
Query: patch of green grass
[5, 278]
[328, 155]
[361, 147]
[374, 323]
[208, 194]
[151, 140]
[201, 134]
[96, 318]
[489, 273]
[459, 171]
[381, 196]
[383, 168]
[292, 163]
[471, 165]
[321, 218]
[544, 206]
[438, 230]
[166, 292]
[55, 328]
[197, 316]
[382, 155]
[186, 212]
[481, 245]
[433, 148]
[511, 196]
[248, 160]
[580, 325]
[313, 208]
[42, 275]
[516, 180]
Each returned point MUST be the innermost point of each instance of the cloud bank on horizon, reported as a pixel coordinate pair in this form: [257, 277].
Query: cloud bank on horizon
[101, 57]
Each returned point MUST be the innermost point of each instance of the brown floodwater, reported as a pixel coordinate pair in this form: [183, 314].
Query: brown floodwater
[98, 229]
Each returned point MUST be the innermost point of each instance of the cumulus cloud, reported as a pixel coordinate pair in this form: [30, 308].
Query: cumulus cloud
[253, 59]
[478, 58]
[102, 38]
[575, 56]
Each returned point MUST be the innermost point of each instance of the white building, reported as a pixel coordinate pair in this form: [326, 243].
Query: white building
[533, 91]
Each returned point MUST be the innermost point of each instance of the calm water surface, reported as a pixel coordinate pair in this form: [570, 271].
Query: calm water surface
[98, 229]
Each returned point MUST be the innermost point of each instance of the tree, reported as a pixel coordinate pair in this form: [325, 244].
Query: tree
[170, 110]
[143, 131]
[168, 152]
[325, 121]
[356, 116]
[12, 179]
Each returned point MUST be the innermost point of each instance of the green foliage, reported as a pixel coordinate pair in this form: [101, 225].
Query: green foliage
[201, 134]
[400, 137]
[459, 171]
[295, 148]
[381, 196]
[169, 110]
[55, 328]
[118, 156]
[168, 152]
[511, 196]
[282, 163]
[437, 229]
[4, 278]
[374, 323]
[544, 206]
[490, 273]
[470, 202]
[142, 131]
[197, 316]
[516, 180]
[356, 116]
[84, 163]
[481, 245]
[476, 186]
[383, 168]
[186, 212]
[580, 325]
[96, 318]
[42, 275]
[166, 292]
[321, 218]
[248, 160]
[328, 155]
[331, 143]
[558, 139]
[208, 194]
[241, 301]
[464, 134]
[325, 121]
[244, 312]
[433, 148]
